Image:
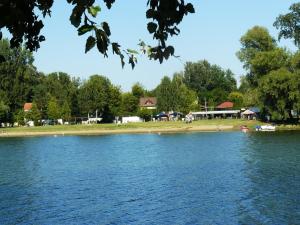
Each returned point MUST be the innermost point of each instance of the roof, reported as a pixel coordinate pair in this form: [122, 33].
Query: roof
[27, 106]
[216, 112]
[148, 102]
[248, 112]
[225, 105]
[254, 109]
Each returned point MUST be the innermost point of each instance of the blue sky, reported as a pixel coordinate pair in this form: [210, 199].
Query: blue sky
[212, 33]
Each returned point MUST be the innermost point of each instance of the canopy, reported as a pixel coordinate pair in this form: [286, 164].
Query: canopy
[248, 112]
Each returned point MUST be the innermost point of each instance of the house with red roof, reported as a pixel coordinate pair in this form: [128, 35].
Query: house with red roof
[27, 107]
[148, 103]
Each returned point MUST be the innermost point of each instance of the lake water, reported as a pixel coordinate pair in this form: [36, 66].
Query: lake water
[196, 178]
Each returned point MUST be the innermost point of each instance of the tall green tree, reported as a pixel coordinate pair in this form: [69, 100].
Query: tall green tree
[94, 94]
[18, 76]
[65, 112]
[279, 94]
[99, 94]
[210, 82]
[53, 109]
[258, 46]
[4, 110]
[129, 106]
[288, 24]
[138, 90]
[237, 98]
[34, 114]
[165, 97]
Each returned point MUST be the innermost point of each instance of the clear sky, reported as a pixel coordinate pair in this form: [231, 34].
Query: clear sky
[212, 33]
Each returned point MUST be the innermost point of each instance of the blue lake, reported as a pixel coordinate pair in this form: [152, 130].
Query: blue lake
[196, 178]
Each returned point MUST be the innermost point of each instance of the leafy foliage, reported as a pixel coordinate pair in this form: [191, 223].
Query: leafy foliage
[26, 25]
[279, 94]
[129, 105]
[174, 95]
[145, 114]
[237, 98]
[53, 110]
[34, 114]
[257, 39]
[210, 82]
[288, 24]
[4, 109]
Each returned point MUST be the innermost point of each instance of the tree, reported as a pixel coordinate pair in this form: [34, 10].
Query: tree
[187, 100]
[18, 76]
[53, 110]
[129, 106]
[138, 90]
[4, 110]
[288, 24]
[34, 114]
[145, 114]
[165, 100]
[257, 49]
[210, 82]
[237, 98]
[174, 95]
[65, 112]
[26, 24]
[19, 117]
[115, 101]
[279, 94]
[244, 85]
[257, 39]
[98, 94]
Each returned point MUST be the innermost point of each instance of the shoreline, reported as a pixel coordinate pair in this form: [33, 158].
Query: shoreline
[139, 128]
[202, 128]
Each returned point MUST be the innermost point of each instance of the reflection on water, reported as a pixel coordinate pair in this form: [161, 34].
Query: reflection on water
[201, 178]
[273, 169]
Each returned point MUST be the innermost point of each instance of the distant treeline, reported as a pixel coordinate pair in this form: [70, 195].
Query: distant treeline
[272, 82]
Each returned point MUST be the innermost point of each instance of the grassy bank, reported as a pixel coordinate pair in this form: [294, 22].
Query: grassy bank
[170, 126]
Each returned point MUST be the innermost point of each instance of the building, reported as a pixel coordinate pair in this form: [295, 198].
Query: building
[27, 107]
[216, 114]
[148, 103]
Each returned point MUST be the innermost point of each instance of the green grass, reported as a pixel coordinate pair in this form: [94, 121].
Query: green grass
[236, 123]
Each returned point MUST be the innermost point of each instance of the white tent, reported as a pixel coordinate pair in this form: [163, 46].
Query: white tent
[248, 112]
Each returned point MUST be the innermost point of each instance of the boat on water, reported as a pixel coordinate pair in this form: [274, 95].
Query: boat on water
[244, 128]
[265, 128]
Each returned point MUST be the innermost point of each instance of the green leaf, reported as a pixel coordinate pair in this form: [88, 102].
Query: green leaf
[116, 48]
[94, 10]
[109, 3]
[190, 8]
[75, 17]
[90, 43]
[84, 28]
[131, 51]
[106, 28]
[151, 27]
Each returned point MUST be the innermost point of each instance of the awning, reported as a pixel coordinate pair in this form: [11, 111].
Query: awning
[248, 112]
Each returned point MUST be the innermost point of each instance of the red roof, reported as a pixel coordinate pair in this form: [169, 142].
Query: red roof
[225, 105]
[27, 106]
[148, 102]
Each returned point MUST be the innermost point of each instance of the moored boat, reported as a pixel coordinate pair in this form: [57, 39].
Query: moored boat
[265, 128]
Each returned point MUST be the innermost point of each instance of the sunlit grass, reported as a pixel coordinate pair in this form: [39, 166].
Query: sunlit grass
[236, 123]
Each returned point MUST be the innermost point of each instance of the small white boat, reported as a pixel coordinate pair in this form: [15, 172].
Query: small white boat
[265, 128]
